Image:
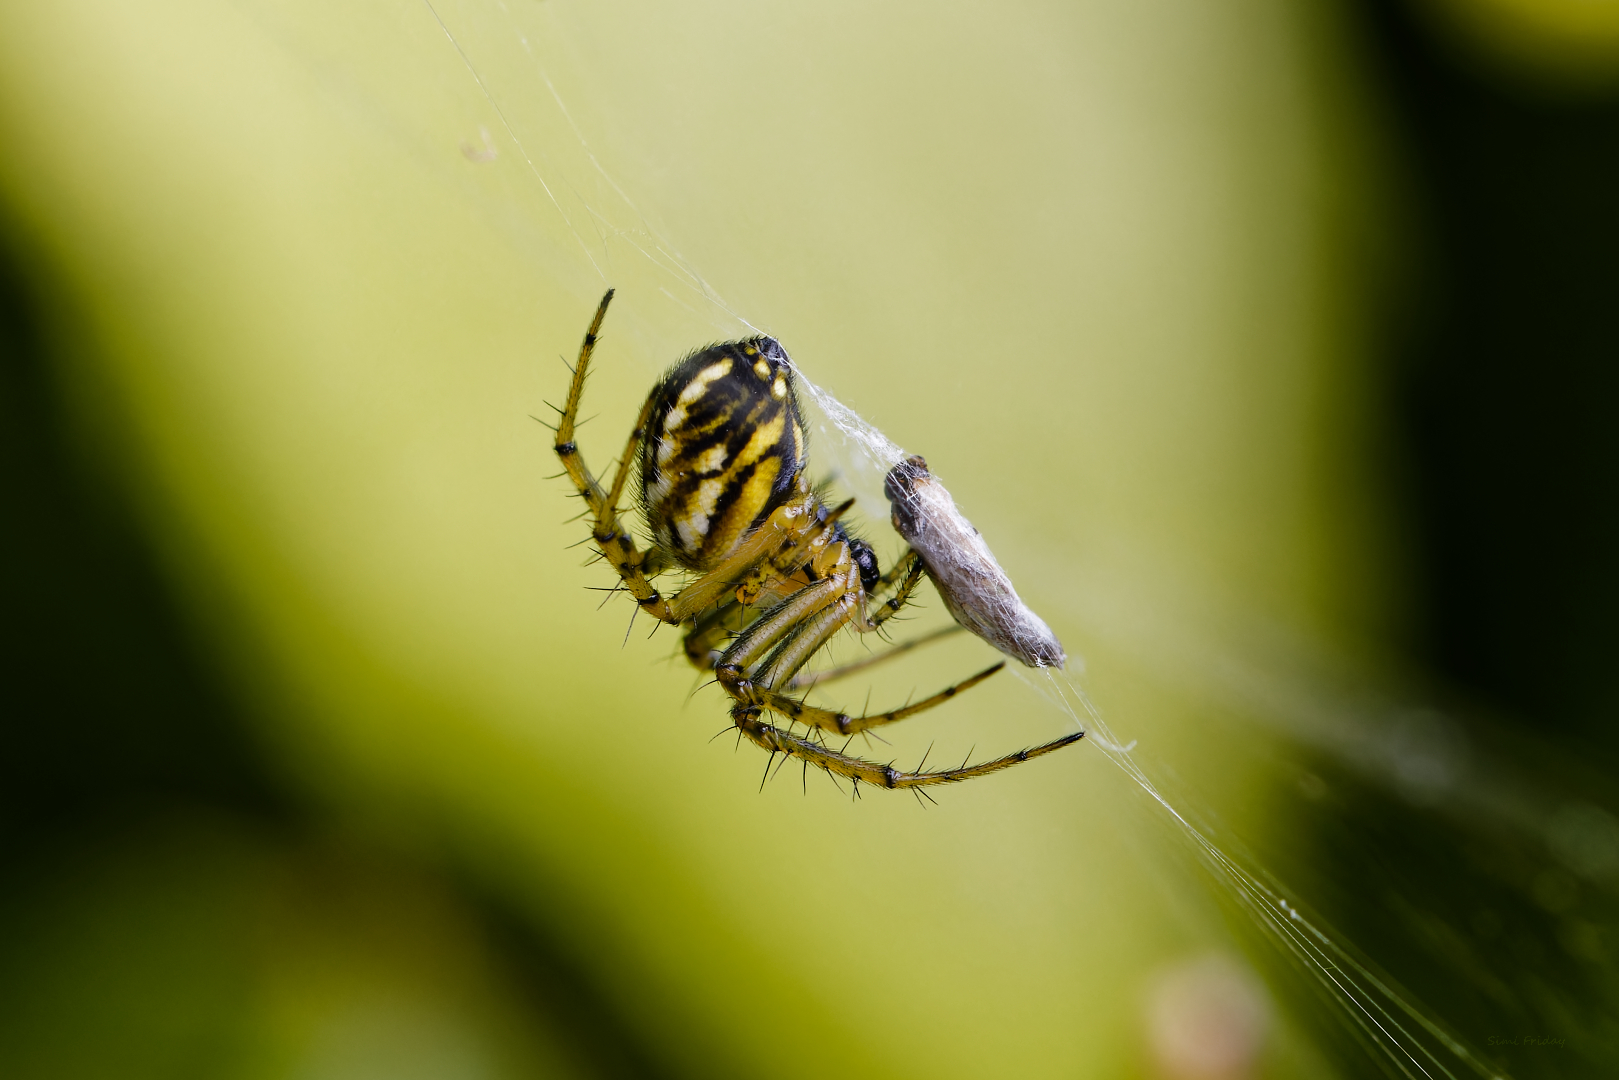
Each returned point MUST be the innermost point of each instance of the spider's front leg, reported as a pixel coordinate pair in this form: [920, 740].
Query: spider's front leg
[705, 641]
[802, 632]
[777, 741]
[843, 724]
[795, 630]
[903, 577]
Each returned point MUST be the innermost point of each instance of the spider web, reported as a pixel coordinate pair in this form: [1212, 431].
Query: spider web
[1408, 1038]
[613, 239]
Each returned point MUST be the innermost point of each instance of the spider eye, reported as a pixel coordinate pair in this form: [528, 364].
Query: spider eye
[866, 559]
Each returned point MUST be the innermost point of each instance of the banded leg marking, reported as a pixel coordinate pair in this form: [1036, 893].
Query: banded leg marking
[778, 741]
[843, 724]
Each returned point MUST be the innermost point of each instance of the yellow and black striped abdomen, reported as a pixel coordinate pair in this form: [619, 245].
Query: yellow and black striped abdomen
[724, 446]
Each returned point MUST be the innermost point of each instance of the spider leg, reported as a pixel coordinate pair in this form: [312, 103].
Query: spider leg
[901, 567]
[826, 603]
[908, 572]
[614, 542]
[803, 679]
[843, 724]
[804, 624]
[859, 770]
[797, 649]
[566, 449]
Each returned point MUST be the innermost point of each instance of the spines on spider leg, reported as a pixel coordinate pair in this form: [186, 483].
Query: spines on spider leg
[567, 449]
[858, 770]
[844, 724]
[902, 595]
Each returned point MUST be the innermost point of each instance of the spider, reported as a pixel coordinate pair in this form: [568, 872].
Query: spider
[720, 453]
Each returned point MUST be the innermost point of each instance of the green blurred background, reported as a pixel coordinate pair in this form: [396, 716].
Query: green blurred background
[1270, 345]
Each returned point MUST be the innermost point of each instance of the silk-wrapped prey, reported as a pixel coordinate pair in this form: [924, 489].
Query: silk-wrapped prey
[975, 589]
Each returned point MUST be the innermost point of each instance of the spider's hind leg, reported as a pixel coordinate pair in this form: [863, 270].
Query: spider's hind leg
[780, 670]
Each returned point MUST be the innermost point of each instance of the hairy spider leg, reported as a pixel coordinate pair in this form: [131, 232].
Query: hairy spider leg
[798, 629]
[615, 544]
[843, 724]
[705, 640]
[794, 652]
[835, 586]
[784, 621]
[815, 678]
[903, 578]
[778, 741]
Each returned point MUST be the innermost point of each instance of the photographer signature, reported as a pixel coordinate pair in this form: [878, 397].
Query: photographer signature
[1525, 1040]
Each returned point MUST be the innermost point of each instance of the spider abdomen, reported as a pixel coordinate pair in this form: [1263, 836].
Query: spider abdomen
[724, 447]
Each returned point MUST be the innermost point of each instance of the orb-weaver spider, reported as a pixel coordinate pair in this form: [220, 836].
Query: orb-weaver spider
[720, 451]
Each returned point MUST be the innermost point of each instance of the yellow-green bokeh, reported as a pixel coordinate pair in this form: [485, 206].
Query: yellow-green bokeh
[1557, 45]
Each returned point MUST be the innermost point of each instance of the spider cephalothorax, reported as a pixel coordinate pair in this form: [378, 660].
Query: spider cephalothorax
[773, 574]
